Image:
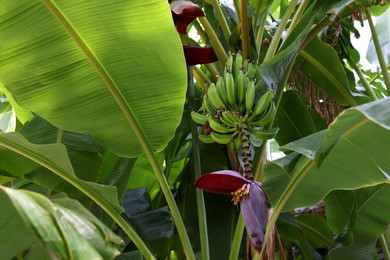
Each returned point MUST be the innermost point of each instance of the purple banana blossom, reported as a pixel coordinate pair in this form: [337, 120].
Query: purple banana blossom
[247, 193]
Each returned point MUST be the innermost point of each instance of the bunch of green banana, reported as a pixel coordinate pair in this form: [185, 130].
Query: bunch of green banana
[229, 106]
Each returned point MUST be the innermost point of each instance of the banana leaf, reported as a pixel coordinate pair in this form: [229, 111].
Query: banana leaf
[96, 67]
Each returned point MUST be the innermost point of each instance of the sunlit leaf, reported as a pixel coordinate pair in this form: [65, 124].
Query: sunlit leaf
[96, 67]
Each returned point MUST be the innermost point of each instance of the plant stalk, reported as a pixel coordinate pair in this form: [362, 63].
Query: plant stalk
[244, 30]
[218, 48]
[379, 53]
[236, 243]
[297, 17]
[221, 19]
[364, 82]
[204, 240]
[259, 35]
[385, 249]
[278, 34]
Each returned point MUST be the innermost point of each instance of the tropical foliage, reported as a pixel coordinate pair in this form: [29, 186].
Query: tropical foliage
[106, 124]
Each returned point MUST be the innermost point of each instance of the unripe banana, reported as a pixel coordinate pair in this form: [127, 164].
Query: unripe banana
[230, 91]
[198, 118]
[252, 68]
[237, 64]
[237, 142]
[250, 96]
[214, 98]
[221, 89]
[229, 65]
[245, 64]
[221, 138]
[216, 126]
[240, 87]
[206, 105]
[263, 102]
[227, 120]
[267, 117]
[263, 134]
[206, 139]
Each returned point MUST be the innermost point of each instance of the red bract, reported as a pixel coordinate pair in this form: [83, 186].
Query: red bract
[221, 182]
[199, 55]
[184, 12]
[248, 193]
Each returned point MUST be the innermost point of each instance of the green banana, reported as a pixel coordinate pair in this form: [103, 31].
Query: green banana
[252, 68]
[214, 98]
[222, 138]
[221, 90]
[240, 87]
[206, 139]
[230, 91]
[263, 102]
[229, 65]
[198, 118]
[263, 134]
[216, 126]
[237, 64]
[227, 119]
[269, 114]
[245, 64]
[206, 105]
[250, 96]
[237, 142]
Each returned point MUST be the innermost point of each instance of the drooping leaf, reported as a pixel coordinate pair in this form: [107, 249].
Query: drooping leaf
[294, 120]
[54, 158]
[356, 158]
[97, 67]
[372, 220]
[339, 205]
[65, 231]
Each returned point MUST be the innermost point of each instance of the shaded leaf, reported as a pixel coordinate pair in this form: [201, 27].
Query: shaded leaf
[372, 220]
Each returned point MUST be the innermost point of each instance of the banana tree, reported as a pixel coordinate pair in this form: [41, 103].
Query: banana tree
[115, 115]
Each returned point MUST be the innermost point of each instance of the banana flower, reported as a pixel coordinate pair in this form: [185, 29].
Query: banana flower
[247, 193]
[183, 13]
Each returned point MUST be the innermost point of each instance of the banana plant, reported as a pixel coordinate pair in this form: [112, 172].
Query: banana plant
[114, 116]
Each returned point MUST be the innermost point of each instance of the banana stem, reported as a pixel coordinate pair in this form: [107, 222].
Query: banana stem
[246, 153]
[204, 240]
[297, 16]
[378, 49]
[244, 29]
[385, 249]
[221, 19]
[259, 35]
[364, 82]
[237, 7]
[218, 48]
[236, 243]
[278, 34]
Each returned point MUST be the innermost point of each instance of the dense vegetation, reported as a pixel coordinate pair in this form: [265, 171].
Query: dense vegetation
[106, 124]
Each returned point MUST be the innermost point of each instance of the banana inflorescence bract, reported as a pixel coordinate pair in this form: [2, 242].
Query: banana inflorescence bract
[230, 110]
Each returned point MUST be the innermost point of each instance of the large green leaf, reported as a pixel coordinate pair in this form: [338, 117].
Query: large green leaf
[67, 231]
[53, 157]
[356, 157]
[372, 220]
[115, 69]
[294, 120]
